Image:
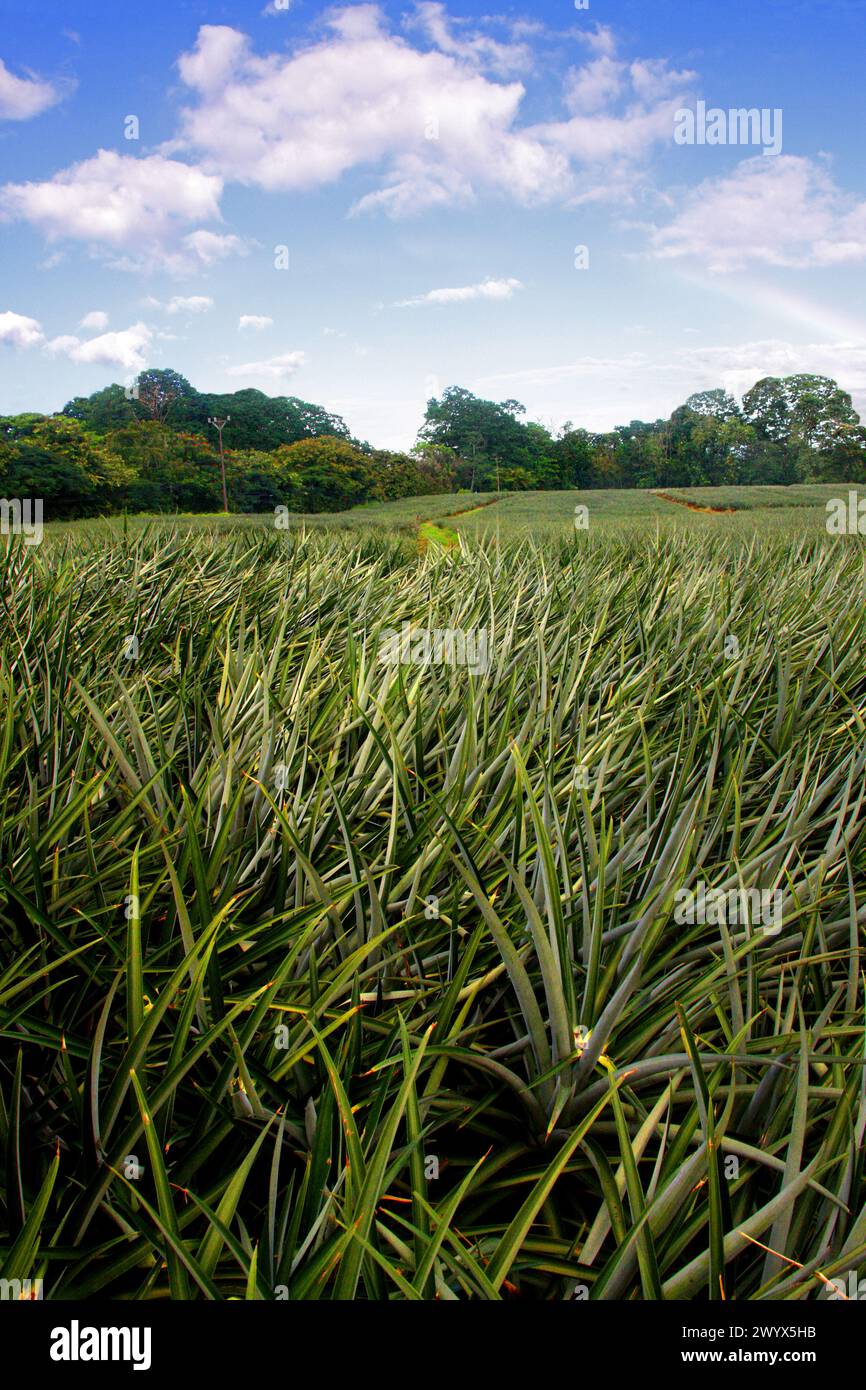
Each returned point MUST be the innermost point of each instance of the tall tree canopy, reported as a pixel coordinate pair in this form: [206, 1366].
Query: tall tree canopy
[150, 448]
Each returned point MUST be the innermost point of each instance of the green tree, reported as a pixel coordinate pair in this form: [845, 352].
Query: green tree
[435, 465]
[718, 403]
[171, 471]
[574, 454]
[332, 473]
[158, 391]
[484, 434]
[255, 484]
[74, 472]
[103, 411]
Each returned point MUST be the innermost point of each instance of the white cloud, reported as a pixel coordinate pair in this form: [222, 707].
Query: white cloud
[24, 97]
[360, 97]
[432, 126]
[20, 331]
[738, 368]
[218, 53]
[474, 48]
[431, 123]
[189, 304]
[181, 304]
[600, 39]
[63, 345]
[278, 368]
[135, 207]
[486, 289]
[594, 85]
[784, 211]
[127, 348]
[97, 319]
[210, 247]
[257, 321]
[601, 392]
[648, 94]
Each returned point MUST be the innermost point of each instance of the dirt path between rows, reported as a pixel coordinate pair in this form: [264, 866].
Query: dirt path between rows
[432, 531]
[464, 511]
[694, 506]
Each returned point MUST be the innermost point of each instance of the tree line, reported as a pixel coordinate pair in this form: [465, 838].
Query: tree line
[794, 429]
[152, 447]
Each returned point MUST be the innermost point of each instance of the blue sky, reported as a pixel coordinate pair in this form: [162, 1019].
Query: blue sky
[430, 169]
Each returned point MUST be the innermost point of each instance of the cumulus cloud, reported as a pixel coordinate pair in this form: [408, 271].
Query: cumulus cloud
[361, 97]
[189, 304]
[97, 319]
[434, 126]
[477, 49]
[594, 85]
[257, 321]
[217, 55]
[21, 98]
[431, 117]
[20, 331]
[278, 368]
[785, 211]
[485, 289]
[111, 197]
[210, 247]
[600, 39]
[620, 110]
[137, 209]
[181, 304]
[126, 348]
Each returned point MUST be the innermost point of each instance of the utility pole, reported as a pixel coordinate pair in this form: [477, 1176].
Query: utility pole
[219, 426]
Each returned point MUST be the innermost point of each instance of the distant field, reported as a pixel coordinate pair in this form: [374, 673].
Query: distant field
[548, 513]
[545, 515]
[766, 510]
[758, 498]
[404, 516]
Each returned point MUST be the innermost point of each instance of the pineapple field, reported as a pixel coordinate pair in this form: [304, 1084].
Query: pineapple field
[334, 966]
